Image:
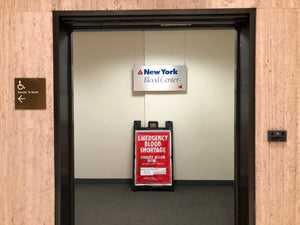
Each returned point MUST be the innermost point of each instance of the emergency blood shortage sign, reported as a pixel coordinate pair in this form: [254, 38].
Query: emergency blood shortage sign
[159, 78]
[153, 164]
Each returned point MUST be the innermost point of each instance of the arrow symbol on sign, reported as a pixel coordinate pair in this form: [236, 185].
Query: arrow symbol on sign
[180, 86]
[21, 99]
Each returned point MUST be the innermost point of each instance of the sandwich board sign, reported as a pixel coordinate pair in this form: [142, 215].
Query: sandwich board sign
[153, 159]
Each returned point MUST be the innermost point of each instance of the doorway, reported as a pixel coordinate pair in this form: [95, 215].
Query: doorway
[243, 21]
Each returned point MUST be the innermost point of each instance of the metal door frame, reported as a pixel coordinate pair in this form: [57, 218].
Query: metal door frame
[242, 20]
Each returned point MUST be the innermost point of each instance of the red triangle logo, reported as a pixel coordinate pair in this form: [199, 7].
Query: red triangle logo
[140, 72]
[180, 86]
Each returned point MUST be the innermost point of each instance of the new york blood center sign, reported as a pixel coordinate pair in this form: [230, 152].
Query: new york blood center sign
[159, 78]
[153, 165]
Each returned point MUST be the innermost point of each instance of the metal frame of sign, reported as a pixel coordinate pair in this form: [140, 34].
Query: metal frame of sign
[137, 127]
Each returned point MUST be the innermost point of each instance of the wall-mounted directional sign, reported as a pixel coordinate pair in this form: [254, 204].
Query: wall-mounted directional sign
[30, 93]
[159, 78]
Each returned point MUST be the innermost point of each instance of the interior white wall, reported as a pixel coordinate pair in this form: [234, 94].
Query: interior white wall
[104, 104]
[203, 116]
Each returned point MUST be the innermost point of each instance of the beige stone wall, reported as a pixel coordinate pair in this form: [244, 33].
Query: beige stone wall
[26, 137]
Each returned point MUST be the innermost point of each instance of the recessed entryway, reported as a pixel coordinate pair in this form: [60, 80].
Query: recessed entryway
[105, 106]
[239, 20]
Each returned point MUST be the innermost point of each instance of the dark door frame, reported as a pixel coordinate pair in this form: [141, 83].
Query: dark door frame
[242, 20]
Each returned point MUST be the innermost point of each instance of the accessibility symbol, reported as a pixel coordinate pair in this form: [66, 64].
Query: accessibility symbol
[20, 86]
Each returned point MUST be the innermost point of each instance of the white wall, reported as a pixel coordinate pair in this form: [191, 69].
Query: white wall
[203, 116]
[104, 104]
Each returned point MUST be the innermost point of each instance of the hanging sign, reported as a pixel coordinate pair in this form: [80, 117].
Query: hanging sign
[153, 164]
[159, 78]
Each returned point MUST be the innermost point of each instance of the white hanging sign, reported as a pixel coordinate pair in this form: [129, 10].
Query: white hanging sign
[159, 78]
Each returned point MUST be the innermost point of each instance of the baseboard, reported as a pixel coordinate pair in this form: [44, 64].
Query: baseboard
[204, 182]
[102, 181]
[176, 182]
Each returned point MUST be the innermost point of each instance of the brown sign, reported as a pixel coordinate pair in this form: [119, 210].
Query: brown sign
[30, 93]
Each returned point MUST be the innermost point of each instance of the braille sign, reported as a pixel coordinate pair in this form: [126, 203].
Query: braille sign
[30, 93]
